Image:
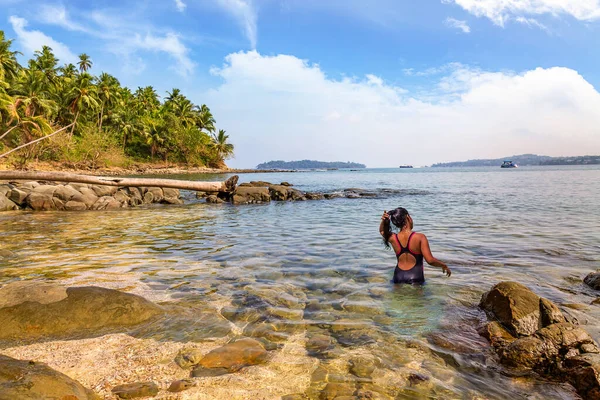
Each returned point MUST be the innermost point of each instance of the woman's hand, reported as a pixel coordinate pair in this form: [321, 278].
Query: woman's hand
[447, 271]
[385, 216]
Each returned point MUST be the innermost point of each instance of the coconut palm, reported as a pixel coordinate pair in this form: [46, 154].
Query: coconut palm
[8, 60]
[85, 62]
[108, 93]
[221, 146]
[83, 96]
[204, 118]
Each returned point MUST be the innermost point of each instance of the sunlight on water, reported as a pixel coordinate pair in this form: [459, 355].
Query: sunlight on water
[318, 269]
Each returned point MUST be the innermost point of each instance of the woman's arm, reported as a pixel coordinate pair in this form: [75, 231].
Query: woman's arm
[384, 218]
[431, 260]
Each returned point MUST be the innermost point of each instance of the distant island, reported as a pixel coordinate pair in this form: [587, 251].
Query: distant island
[308, 164]
[524, 160]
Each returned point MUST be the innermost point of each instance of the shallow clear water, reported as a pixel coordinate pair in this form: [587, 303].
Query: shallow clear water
[538, 226]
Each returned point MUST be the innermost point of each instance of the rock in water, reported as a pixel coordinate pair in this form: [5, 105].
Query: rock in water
[135, 390]
[85, 311]
[593, 280]
[549, 313]
[231, 358]
[7, 205]
[515, 306]
[584, 374]
[28, 380]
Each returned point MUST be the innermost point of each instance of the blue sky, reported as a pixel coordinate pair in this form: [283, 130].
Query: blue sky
[382, 82]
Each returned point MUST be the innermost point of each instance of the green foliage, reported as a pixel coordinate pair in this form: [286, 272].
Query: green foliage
[111, 124]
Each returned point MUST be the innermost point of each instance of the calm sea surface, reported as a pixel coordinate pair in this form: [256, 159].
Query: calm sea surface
[536, 225]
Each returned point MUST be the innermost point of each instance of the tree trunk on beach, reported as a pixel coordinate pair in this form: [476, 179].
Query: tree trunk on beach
[227, 186]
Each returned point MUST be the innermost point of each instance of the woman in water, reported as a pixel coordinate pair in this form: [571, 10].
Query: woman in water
[409, 268]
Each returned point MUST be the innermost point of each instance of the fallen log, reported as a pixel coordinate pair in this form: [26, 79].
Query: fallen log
[227, 186]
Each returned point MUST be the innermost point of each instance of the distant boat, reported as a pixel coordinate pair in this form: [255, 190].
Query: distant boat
[405, 166]
[509, 164]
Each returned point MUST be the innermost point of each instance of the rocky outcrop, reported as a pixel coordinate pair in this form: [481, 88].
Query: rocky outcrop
[80, 197]
[530, 333]
[593, 280]
[28, 380]
[70, 312]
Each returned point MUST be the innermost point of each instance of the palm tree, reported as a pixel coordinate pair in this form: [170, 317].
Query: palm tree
[204, 118]
[222, 148]
[83, 96]
[8, 60]
[68, 71]
[85, 62]
[108, 93]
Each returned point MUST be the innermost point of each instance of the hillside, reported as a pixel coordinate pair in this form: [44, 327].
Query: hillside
[308, 164]
[524, 160]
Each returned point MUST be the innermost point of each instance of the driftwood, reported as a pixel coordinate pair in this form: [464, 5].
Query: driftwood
[227, 186]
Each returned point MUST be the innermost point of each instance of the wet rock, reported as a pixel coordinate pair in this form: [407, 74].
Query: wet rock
[187, 358]
[584, 374]
[181, 385]
[546, 349]
[256, 184]
[251, 195]
[213, 199]
[550, 313]
[592, 279]
[22, 291]
[65, 192]
[85, 311]
[286, 313]
[7, 205]
[314, 196]
[106, 203]
[157, 194]
[87, 196]
[296, 195]
[5, 190]
[101, 190]
[515, 306]
[122, 198]
[28, 380]
[415, 378]
[319, 345]
[240, 314]
[496, 334]
[231, 358]
[75, 206]
[337, 391]
[287, 184]
[135, 390]
[362, 367]
[18, 196]
[40, 202]
[266, 330]
[278, 192]
[135, 196]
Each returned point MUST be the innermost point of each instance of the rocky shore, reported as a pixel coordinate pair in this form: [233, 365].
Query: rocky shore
[46, 196]
[92, 343]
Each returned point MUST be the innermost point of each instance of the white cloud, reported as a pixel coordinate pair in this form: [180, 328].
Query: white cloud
[281, 107]
[245, 13]
[32, 40]
[500, 11]
[455, 23]
[171, 44]
[57, 15]
[532, 23]
[180, 5]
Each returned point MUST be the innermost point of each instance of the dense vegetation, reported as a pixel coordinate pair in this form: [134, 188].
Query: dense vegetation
[581, 160]
[308, 164]
[105, 122]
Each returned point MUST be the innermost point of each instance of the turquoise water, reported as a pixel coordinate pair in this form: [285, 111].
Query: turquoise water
[536, 225]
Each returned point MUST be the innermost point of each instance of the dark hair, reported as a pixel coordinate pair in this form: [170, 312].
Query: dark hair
[398, 217]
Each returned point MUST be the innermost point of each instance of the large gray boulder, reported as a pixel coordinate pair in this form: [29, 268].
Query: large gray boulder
[18, 196]
[65, 192]
[84, 312]
[28, 380]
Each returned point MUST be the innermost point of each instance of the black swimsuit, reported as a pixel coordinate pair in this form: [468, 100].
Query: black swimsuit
[413, 275]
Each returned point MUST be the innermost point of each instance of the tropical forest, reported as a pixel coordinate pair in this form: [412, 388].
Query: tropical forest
[62, 113]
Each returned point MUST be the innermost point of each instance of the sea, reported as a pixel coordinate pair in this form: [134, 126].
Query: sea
[323, 267]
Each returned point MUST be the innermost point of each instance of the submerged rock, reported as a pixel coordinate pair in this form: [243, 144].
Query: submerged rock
[593, 280]
[85, 311]
[181, 385]
[231, 358]
[29, 380]
[135, 390]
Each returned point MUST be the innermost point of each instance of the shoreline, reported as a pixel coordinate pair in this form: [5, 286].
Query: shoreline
[138, 169]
